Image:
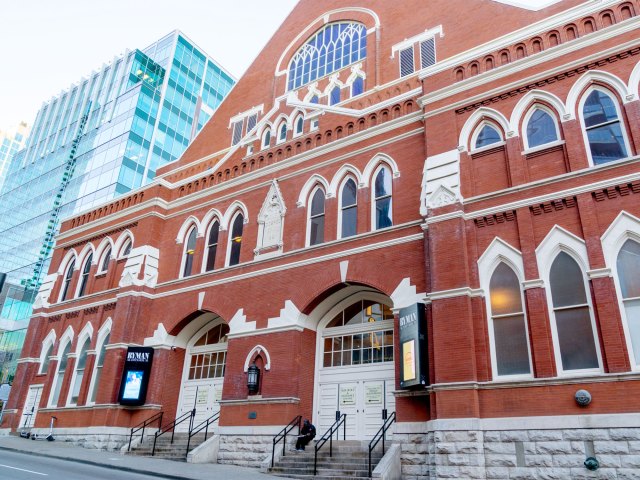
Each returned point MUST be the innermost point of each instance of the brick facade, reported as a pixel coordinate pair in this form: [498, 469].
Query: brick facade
[454, 205]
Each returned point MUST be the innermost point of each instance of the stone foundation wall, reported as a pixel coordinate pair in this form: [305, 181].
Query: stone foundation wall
[245, 450]
[519, 454]
[100, 439]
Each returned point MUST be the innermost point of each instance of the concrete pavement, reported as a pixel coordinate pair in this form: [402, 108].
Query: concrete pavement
[142, 465]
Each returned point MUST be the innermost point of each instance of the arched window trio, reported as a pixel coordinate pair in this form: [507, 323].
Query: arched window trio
[601, 120]
[571, 312]
[80, 374]
[381, 207]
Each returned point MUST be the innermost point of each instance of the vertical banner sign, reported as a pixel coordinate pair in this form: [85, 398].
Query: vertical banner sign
[135, 376]
[413, 347]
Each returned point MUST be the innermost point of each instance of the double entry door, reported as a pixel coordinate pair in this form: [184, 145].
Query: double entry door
[366, 401]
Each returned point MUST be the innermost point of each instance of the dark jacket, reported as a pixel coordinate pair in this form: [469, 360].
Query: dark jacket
[308, 429]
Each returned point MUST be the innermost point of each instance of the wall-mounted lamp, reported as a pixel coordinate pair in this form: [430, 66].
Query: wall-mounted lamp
[253, 379]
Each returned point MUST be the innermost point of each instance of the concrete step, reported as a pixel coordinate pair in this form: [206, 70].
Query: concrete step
[322, 472]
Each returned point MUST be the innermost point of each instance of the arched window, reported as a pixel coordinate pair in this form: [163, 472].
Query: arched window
[236, 240]
[361, 348]
[127, 248]
[79, 374]
[299, 125]
[335, 95]
[67, 280]
[282, 132]
[44, 366]
[509, 329]
[605, 132]
[571, 309]
[628, 264]
[349, 209]
[541, 128]
[105, 261]
[332, 48]
[98, 368]
[488, 135]
[59, 376]
[382, 200]
[84, 278]
[314, 99]
[212, 246]
[266, 138]
[189, 252]
[357, 87]
[316, 218]
[205, 364]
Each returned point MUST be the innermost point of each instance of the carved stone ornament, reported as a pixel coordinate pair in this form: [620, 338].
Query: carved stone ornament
[441, 197]
[271, 220]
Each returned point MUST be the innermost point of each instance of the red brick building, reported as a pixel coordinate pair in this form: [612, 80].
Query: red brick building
[479, 158]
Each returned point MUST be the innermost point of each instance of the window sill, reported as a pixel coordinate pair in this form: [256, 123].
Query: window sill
[487, 148]
[543, 148]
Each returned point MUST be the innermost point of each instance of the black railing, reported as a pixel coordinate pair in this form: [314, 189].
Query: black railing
[203, 426]
[142, 426]
[282, 436]
[172, 427]
[380, 436]
[328, 436]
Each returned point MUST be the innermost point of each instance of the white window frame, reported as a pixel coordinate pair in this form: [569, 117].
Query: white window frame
[341, 190]
[435, 52]
[413, 61]
[263, 138]
[65, 340]
[623, 124]
[476, 134]
[501, 252]
[205, 254]
[227, 261]
[64, 278]
[624, 227]
[85, 334]
[557, 241]
[280, 140]
[373, 196]
[525, 127]
[296, 121]
[47, 347]
[103, 332]
[309, 201]
[185, 242]
[81, 272]
[107, 250]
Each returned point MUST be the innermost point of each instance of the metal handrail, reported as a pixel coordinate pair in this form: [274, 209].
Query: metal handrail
[203, 426]
[143, 425]
[380, 435]
[172, 427]
[282, 435]
[328, 435]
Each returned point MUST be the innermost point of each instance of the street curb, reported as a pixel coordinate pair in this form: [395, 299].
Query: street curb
[97, 464]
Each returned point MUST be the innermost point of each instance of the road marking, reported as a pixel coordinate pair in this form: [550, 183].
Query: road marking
[23, 470]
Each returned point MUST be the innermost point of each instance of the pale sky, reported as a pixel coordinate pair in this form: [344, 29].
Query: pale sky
[46, 45]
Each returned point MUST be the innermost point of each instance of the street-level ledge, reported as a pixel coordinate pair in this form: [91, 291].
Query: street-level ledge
[259, 400]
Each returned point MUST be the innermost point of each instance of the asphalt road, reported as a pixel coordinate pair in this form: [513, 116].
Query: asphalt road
[19, 466]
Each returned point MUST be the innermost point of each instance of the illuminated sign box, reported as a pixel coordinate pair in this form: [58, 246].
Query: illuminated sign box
[135, 376]
[414, 365]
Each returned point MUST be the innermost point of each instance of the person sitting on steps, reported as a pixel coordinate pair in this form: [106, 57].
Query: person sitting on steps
[307, 434]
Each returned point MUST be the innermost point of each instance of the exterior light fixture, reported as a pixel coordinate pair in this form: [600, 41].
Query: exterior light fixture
[592, 464]
[253, 379]
[583, 398]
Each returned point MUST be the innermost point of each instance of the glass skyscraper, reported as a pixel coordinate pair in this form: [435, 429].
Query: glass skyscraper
[11, 141]
[132, 116]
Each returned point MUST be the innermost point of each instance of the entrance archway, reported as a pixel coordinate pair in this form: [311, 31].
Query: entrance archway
[203, 372]
[355, 370]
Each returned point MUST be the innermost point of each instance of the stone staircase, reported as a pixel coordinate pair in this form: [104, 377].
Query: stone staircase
[350, 460]
[165, 449]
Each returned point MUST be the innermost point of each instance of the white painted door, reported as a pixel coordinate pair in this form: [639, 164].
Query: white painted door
[204, 396]
[361, 392]
[30, 410]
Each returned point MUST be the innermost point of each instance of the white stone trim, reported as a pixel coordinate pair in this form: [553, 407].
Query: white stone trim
[405, 295]
[47, 344]
[103, 331]
[556, 241]
[455, 292]
[625, 227]
[311, 184]
[257, 350]
[409, 42]
[481, 117]
[121, 242]
[186, 228]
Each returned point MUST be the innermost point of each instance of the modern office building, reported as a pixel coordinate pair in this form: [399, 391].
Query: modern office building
[419, 215]
[102, 137]
[11, 140]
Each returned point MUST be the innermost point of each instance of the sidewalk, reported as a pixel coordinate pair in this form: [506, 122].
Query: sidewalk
[150, 466]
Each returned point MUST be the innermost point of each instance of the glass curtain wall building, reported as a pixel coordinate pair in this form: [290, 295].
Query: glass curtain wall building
[11, 140]
[140, 112]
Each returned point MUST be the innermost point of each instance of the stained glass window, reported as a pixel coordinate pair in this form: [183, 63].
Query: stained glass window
[334, 47]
